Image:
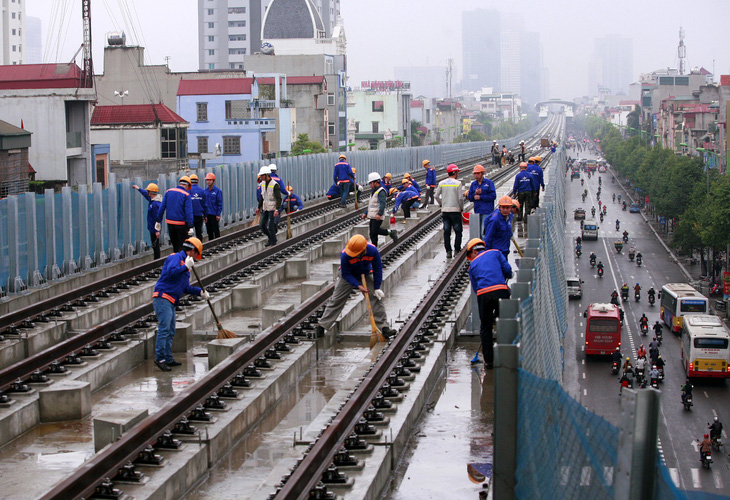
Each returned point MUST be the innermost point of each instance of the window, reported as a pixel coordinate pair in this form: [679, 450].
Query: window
[210, 12]
[357, 127]
[375, 127]
[13, 15]
[237, 110]
[202, 111]
[13, 48]
[211, 52]
[202, 144]
[169, 138]
[236, 10]
[331, 99]
[211, 25]
[236, 38]
[707, 343]
[378, 106]
[236, 51]
[211, 38]
[13, 32]
[231, 145]
[211, 65]
[331, 128]
[236, 24]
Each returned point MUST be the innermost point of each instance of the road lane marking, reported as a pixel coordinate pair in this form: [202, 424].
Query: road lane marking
[695, 478]
[585, 392]
[584, 375]
[585, 476]
[718, 479]
[564, 474]
[706, 395]
[674, 474]
[583, 361]
[608, 475]
[714, 412]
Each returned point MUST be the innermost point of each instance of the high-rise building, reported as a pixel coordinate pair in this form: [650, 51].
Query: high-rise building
[228, 30]
[481, 49]
[510, 63]
[614, 65]
[33, 40]
[12, 32]
[427, 81]
[532, 73]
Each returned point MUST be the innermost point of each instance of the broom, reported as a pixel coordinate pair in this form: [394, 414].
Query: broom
[376, 335]
[519, 250]
[357, 195]
[222, 332]
[256, 220]
[288, 219]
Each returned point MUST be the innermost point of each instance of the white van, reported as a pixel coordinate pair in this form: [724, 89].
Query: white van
[590, 230]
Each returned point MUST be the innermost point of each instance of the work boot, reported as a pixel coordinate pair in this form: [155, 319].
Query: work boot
[388, 332]
[394, 236]
[162, 366]
[448, 254]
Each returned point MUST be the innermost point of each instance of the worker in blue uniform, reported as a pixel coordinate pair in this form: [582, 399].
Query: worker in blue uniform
[292, 202]
[275, 177]
[174, 281]
[523, 189]
[213, 207]
[333, 192]
[406, 199]
[536, 170]
[344, 178]
[414, 184]
[153, 197]
[387, 182]
[429, 184]
[482, 193]
[498, 227]
[197, 198]
[488, 273]
[179, 208]
[358, 258]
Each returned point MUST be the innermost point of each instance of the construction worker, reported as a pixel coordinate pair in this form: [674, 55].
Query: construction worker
[358, 258]
[213, 207]
[197, 197]
[153, 197]
[376, 210]
[523, 151]
[275, 177]
[537, 176]
[482, 193]
[498, 227]
[292, 202]
[523, 189]
[448, 196]
[387, 182]
[414, 184]
[334, 192]
[503, 157]
[268, 205]
[179, 208]
[174, 281]
[406, 198]
[429, 184]
[344, 178]
[488, 273]
[495, 152]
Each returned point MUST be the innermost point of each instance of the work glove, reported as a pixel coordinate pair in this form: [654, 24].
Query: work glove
[379, 294]
[205, 295]
[191, 232]
[158, 226]
[189, 262]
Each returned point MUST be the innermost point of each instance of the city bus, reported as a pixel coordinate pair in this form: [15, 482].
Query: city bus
[603, 329]
[678, 300]
[705, 350]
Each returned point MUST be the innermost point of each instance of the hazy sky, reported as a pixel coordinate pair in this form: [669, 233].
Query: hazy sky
[382, 34]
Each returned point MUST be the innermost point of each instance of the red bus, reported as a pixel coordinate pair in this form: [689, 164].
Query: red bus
[603, 328]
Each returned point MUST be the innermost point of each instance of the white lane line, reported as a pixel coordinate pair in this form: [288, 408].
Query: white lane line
[608, 475]
[584, 375]
[585, 392]
[674, 474]
[583, 361]
[714, 412]
[585, 476]
[695, 478]
[564, 474]
[718, 479]
[706, 395]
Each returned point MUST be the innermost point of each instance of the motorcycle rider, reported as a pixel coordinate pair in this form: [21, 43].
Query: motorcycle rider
[618, 224]
[626, 235]
[686, 390]
[578, 248]
[619, 198]
[637, 289]
[600, 216]
[644, 324]
[651, 293]
[616, 357]
[627, 366]
[593, 211]
[625, 291]
[641, 352]
[660, 364]
[640, 367]
[632, 252]
[614, 197]
[654, 374]
[654, 344]
[715, 429]
[593, 259]
[705, 446]
[581, 182]
[621, 315]
[614, 295]
[604, 209]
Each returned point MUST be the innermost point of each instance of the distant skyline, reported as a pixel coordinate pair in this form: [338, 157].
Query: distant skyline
[421, 33]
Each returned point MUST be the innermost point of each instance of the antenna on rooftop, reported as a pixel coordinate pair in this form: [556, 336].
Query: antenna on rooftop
[682, 52]
[87, 75]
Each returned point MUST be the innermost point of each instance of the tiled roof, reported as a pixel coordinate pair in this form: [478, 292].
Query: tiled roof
[216, 86]
[39, 76]
[294, 80]
[724, 80]
[134, 114]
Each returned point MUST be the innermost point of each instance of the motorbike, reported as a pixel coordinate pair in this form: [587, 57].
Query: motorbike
[593, 212]
[651, 299]
[631, 256]
[581, 182]
[637, 296]
[600, 272]
[578, 252]
[706, 459]
[638, 260]
[604, 209]
[716, 441]
[618, 245]
[593, 261]
[613, 180]
[618, 225]
[716, 290]
[661, 373]
[640, 376]
[614, 368]
[644, 328]
[659, 336]
[655, 383]
[623, 207]
[624, 295]
[687, 402]
[584, 197]
[626, 237]
[601, 216]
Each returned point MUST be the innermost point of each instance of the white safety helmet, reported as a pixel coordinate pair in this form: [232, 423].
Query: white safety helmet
[264, 171]
[272, 167]
[373, 177]
[495, 140]
[522, 142]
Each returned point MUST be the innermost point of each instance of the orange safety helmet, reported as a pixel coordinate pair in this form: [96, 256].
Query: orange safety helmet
[210, 176]
[479, 169]
[185, 179]
[388, 175]
[290, 189]
[194, 178]
[523, 165]
[425, 162]
[538, 159]
[153, 187]
[405, 181]
[474, 242]
[515, 203]
[505, 201]
[392, 191]
[194, 244]
[356, 245]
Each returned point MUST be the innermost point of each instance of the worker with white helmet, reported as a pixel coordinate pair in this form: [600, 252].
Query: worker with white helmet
[153, 197]
[357, 258]
[269, 205]
[495, 153]
[376, 210]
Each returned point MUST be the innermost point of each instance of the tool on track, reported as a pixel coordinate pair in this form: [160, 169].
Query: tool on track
[288, 218]
[256, 220]
[357, 193]
[377, 335]
[222, 332]
[519, 250]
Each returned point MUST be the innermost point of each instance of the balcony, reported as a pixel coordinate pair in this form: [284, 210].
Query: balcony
[73, 140]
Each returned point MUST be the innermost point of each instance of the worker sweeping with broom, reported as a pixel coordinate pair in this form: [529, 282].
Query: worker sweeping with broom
[174, 281]
[357, 259]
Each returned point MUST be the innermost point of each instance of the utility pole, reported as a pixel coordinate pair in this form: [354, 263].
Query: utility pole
[87, 75]
[681, 52]
[449, 74]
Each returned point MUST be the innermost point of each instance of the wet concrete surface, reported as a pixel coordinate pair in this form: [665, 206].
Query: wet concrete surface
[451, 453]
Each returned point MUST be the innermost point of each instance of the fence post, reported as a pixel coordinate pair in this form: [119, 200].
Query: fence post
[34, 276]
[139, 219]
[98, 221]
[15, 283]
[113, 218]
[85, 262]
[52, 271]
[69, 264]
[635, 477]
[506, 362]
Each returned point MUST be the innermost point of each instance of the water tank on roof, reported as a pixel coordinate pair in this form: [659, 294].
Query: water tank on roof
[116, 38]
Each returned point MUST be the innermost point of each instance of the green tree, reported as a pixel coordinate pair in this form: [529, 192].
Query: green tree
[416, 135]
[304, 146]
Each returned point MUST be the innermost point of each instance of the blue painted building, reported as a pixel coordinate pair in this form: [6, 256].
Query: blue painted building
[224, 112]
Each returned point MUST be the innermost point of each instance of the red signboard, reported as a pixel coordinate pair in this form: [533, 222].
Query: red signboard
[726, 283]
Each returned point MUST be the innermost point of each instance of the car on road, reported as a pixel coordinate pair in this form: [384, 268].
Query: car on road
[579, 214]
[589, 231]
[634, 208]
[575, 291]
[575, 173]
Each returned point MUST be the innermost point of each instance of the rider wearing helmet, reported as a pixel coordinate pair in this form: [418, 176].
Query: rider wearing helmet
[715, 429]
[644, 321]
[641, 352]
[637, 288]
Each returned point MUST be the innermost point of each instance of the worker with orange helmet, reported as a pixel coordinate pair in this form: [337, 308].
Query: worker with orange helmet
[291, 202]
[174, 281]
[344, 178]
[523, 189]
[482, 193]
[179, 208]
[358, 258]
[488, 273]
[153, 197]
[387, 182]
[213, 207]
[406, 199]
[429, 184]
[538, 179]
[498, 227]
[197, 197]
[449, 196]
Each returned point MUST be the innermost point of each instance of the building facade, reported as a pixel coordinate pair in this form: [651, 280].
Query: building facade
[481, 49]
[380, 117]
[12, 32]
[614, 65]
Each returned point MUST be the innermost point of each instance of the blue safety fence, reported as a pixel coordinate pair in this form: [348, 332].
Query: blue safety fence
[45, 237]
